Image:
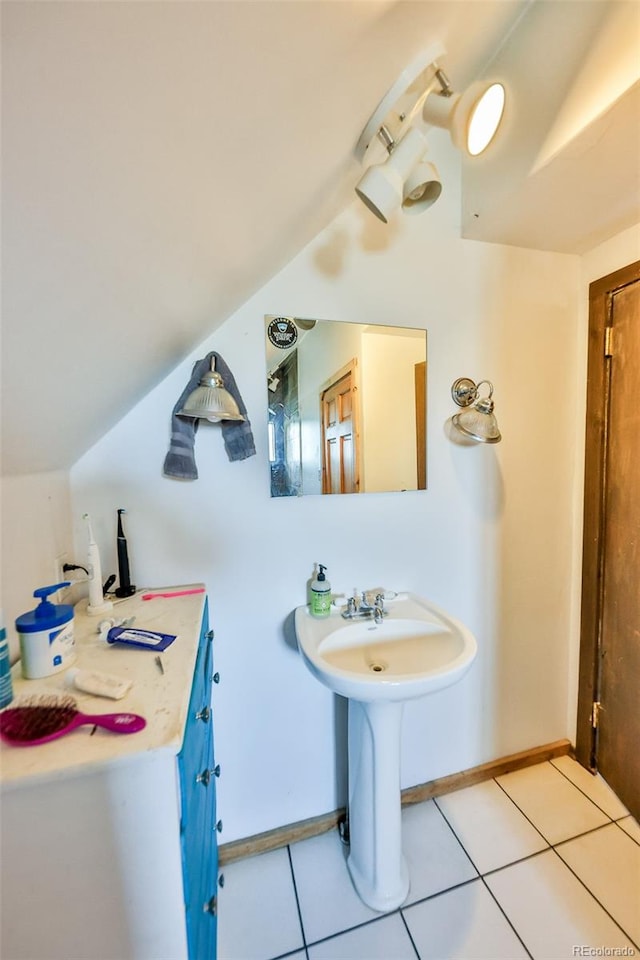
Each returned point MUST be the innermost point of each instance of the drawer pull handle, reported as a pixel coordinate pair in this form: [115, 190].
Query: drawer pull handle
[221, 879]
[219, 826]
[205, 777]
[204, 715]
[216, 677]
[216, 770]
[210, 635]
[211, 906]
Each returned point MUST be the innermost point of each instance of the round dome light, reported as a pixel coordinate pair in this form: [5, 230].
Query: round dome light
[485, 119]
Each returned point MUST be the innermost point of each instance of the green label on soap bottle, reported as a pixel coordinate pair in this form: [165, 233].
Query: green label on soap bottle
[320, 603]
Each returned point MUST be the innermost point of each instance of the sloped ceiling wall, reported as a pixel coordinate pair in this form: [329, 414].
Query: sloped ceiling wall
[162, 160]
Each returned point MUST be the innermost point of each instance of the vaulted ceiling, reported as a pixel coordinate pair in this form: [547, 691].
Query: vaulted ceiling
[162, 160]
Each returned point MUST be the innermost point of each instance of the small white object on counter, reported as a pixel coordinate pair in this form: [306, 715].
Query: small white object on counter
[98, 683]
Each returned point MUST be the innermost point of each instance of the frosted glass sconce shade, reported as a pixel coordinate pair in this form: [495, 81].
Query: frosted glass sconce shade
[210, 400]
[477, 421]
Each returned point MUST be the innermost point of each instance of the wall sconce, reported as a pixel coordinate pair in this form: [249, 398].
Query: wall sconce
[405, 179]
[478, 422]
[210, 400]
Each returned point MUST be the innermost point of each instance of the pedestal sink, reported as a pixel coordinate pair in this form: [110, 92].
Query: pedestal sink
[416, 649]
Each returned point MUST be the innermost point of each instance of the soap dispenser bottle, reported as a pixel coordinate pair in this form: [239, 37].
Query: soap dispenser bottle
[320, 594]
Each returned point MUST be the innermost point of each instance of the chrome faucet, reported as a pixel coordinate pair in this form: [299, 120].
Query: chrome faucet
[366, 606]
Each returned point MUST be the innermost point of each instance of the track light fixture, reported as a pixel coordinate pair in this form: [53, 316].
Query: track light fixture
[404, 178]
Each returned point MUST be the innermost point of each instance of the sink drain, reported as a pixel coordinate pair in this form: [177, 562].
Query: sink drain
[378, 666]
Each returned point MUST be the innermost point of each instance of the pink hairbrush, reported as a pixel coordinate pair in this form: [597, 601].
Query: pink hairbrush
[47, 718]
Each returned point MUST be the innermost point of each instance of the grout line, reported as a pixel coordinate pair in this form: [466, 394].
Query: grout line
[507, 918]
[291, 953]
[551, 846]
[356, 926]
[610, 915]
[440, 893]
[406, 926]
[580, 790]
[617, 823]
[473, 864]
[537, 829]
[585, 833]
[295, 891]
[528, 856]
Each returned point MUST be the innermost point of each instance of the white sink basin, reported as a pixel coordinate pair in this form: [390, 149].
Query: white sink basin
[417, 649]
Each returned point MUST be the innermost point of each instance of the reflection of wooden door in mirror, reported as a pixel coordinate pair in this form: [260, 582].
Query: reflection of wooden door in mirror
[420, 370]
[340, 454]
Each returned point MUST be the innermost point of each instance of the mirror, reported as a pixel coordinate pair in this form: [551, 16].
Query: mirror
[346, 407]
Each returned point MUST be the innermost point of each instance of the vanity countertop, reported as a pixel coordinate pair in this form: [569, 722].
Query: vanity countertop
[161, 698]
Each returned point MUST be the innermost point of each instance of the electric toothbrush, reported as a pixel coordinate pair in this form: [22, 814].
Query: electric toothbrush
[126, 588]
[97, 604]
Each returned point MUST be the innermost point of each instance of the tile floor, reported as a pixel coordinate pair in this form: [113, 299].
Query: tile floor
[541, 863]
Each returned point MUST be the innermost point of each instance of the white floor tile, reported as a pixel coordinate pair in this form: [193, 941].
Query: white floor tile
[435, 859]
[381, 940]
[462, 923]
[554, 806]
[257, 912]
[489, 826]
[608, 863]
[328, 901]
[551, 910]
[630, 826]
[594, 786]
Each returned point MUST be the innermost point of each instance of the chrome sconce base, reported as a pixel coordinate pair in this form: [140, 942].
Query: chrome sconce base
[477, 423]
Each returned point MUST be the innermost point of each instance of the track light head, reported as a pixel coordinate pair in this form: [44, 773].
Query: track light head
[421, 189]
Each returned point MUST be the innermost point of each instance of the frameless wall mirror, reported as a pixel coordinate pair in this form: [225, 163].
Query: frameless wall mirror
[346, 407]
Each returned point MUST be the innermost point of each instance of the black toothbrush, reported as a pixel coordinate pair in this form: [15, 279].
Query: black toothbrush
[126, 589]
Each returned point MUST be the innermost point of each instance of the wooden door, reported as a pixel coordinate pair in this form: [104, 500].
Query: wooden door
[608, 735]
[340, 471]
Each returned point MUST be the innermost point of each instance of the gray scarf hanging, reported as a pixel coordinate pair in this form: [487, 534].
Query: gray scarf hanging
[179, 462]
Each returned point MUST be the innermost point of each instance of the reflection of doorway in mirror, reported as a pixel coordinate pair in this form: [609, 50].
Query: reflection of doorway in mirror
[341, 453]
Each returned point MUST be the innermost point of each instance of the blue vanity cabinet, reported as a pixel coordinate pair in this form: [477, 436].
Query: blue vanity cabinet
[198, 775]
[110, 841]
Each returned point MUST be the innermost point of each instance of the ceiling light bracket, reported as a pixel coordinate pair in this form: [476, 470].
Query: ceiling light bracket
[403, 101]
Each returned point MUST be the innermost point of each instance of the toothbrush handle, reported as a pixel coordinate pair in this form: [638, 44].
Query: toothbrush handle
[116, 722]
[175, 593]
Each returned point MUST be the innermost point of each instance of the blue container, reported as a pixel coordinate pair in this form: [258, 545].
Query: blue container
[6, 687]
[47, 644]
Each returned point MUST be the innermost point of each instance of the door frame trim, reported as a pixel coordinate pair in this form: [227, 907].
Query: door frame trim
[594, 515]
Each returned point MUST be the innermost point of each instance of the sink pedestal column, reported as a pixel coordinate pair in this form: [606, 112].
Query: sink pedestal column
[376, 863]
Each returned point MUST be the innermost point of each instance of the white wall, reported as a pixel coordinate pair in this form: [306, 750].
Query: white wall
[389, 401]
[36, 528]
[491, 539]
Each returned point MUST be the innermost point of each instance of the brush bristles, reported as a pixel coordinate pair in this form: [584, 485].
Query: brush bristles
[37, 717]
